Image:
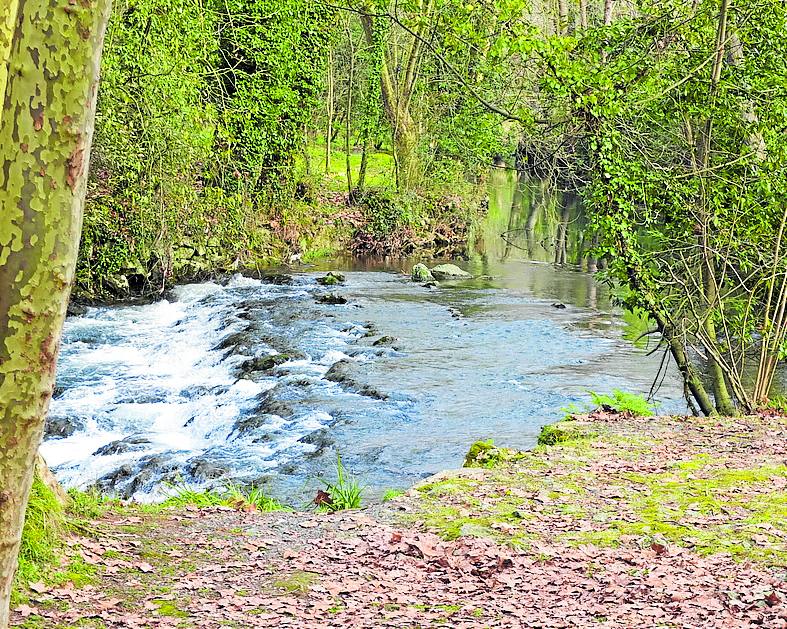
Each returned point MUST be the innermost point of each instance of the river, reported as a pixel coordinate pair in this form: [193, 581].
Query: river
[164, 394]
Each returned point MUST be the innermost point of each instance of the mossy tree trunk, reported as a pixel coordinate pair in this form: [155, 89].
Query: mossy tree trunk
[49, 70]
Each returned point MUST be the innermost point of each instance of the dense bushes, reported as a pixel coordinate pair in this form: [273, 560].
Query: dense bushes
[200, 112]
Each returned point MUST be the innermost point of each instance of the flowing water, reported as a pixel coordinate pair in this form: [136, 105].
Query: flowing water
[170, 392]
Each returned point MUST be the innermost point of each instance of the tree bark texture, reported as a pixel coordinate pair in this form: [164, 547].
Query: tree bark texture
[49, 71]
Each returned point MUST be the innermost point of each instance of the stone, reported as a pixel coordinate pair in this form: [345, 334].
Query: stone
[421, 273]
[449, 272]
[332, 299]
[134, 443]
[332, 279]
[202, 469]
[387, 341]
[62, 426]
[262, 363]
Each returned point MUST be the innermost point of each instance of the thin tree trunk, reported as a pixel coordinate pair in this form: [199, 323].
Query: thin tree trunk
[364, 164]
[348, 120]
[562, 235]
[609, 7]
[46, 129]
[330, 107]
[562, 12]
[724, 403]
[583, 14]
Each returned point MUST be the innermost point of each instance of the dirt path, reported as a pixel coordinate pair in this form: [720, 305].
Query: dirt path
[617, 527]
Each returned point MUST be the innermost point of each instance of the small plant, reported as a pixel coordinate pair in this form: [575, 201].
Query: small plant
[345, 493]
[252, 496]
[622, 402]
[392, 494]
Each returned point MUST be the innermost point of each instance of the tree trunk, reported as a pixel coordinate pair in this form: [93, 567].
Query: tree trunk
[330, 106]
[52, 50]
[348, 120]
[364, 164]
[408, 165]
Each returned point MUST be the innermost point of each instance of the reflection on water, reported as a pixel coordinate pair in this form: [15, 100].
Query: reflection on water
[529, 219]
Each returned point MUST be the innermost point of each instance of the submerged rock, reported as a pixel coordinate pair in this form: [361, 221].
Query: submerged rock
[278, 279]
[448, 272]
[125, 481]
[386, 341]
[133, 443]
[321, 439]
[262, 364]
[332, 279]
[421, 273]
[340, 373]
[202, 469]
[62, 426]
[332, 299]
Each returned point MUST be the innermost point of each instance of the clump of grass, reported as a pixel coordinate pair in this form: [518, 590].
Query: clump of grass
[45, 527]
[345, 493]
[250, 498]
[623, 402]
[391, 494]
[47, 524]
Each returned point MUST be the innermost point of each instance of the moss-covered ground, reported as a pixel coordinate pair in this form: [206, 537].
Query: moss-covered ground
[712, 485]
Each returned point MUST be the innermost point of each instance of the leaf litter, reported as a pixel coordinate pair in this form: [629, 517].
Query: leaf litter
[394, 565]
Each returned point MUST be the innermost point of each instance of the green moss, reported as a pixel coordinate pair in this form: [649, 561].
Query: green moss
[563, 432]
[453, 485]
[391, 494]
[297, 581]
[169, 608]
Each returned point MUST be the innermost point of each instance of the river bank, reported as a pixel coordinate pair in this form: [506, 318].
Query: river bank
[620, 522]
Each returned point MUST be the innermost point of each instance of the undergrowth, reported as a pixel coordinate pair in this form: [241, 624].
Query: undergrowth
[251, 498]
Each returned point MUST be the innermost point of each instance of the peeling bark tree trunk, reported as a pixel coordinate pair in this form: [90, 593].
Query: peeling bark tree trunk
[50, 63]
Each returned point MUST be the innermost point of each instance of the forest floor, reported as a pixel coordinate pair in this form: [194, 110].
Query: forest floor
[621, 522]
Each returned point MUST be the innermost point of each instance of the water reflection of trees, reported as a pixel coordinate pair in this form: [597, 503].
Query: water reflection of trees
[546, 223]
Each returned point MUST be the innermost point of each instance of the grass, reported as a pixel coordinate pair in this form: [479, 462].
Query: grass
[251, 498]
[379, 170]
[47, 525]
[392, 494]
[345, 493]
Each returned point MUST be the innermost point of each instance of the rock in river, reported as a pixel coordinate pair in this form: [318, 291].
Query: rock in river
[421, 273]
[449, 272]
[332, 299]
[332, 279]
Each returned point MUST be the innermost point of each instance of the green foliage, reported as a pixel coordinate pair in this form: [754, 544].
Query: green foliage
[345, 492]
[234, 496]
[392, 494]
[47, 526]
[271, 70]
[42, 536]
[385, 211]
[200, 112]
[622, 402]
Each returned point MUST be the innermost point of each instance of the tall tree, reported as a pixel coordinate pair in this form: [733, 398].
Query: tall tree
[49, 79]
